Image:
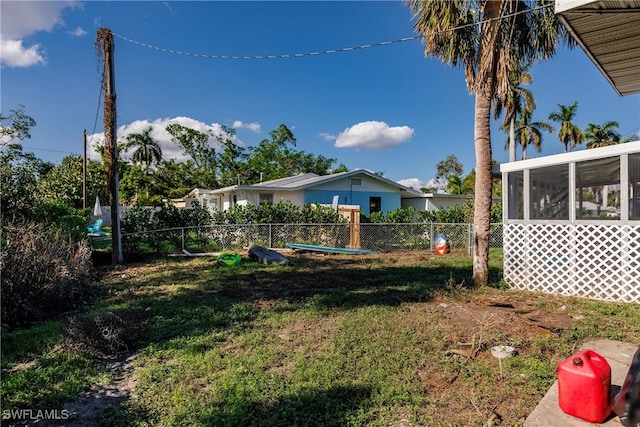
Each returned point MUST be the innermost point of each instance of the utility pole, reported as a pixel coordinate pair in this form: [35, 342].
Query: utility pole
[104, 41]
[84, 172]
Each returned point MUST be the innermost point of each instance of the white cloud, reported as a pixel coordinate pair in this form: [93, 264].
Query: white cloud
[417, 183]
[170, 150]
[328, 136]
[255, 127]
[373, 135]
[14, 54]
[21, 19]
[78, 32]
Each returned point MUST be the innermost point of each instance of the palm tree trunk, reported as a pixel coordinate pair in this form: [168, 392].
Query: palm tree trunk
[484, 91]
[483, 185]
[512, 140]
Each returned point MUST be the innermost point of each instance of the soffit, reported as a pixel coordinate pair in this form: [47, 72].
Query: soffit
[609, 33]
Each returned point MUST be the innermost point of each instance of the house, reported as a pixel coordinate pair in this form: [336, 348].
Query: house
[360, 187]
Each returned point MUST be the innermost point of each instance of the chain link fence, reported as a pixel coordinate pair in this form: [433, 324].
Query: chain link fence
[379, 237]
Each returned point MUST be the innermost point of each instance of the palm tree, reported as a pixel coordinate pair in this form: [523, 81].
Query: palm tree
[490, 39]
[602, 136]
[516, 99]
[147, 151]
[528, 132]
[568, 133]
[454, 184]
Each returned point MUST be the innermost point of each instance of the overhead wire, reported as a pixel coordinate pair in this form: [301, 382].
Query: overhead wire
[323, 52]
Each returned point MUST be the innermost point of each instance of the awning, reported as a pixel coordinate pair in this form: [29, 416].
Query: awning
[609, 33]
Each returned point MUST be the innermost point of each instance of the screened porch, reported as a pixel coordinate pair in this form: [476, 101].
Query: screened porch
[572, 223]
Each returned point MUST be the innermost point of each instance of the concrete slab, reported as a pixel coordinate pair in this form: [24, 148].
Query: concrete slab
[548, 413]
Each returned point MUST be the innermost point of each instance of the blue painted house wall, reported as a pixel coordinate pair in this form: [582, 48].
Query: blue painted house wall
[389, 201]
[360, 194]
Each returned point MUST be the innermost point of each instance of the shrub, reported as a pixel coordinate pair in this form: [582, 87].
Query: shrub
[44, 272]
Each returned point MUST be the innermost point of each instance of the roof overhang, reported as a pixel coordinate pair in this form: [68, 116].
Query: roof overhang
[609, 33]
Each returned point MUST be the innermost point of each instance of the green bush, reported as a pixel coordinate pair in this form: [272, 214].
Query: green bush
[61, 217]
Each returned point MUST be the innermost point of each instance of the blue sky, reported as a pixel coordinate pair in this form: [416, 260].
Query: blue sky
[385, 108]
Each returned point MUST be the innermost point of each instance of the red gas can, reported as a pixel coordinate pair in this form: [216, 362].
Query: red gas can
[584, 386]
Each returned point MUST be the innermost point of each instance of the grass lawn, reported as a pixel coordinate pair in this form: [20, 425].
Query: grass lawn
[375, 340]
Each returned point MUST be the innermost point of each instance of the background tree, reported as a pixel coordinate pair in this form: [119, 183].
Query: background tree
[529, 133]
[469, 182]
[602, 135]
[174, 179]
[20, 173]
[516, 99]
[454, 184]
[490, 39]
[196, 145]
[63, 183]
[146, 152]
[16, 125]
[446, 167]
[272, 159]
[569, 134]
[232, 163]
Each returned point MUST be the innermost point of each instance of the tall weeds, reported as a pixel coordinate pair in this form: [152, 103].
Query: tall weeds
[43, 273]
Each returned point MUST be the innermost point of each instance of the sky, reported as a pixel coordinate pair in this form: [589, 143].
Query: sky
[386, 108]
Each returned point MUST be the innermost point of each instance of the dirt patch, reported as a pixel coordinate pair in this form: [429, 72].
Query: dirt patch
[92, 406]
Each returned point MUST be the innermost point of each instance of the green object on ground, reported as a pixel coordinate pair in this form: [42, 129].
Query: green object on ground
[229, 258]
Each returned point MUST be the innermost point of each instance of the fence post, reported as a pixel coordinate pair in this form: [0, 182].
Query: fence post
[470, 238]
[270, 235]
[182, 231]
[431, 237]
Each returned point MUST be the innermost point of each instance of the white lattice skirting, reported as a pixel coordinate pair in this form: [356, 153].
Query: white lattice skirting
[597, 261]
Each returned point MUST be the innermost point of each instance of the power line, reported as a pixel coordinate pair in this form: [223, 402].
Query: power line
[281, 56]
[95, 122]
[48, 149]
[323, 52]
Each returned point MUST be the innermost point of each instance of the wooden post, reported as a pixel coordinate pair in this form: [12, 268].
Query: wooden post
[105, 42]
[84, 172]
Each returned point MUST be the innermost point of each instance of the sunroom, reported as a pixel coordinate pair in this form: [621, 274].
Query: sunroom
[572, 223]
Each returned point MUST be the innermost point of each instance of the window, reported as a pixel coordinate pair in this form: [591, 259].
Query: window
[375, 204]
[266, 198]
[515, 185]
[598, 189]
[634, 186]
[549, 192]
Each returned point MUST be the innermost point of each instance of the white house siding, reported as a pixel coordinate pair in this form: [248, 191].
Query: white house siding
[433, 202]
[419, 204]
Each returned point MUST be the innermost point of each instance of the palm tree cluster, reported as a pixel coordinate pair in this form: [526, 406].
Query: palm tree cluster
[570, 135]
[517, 107]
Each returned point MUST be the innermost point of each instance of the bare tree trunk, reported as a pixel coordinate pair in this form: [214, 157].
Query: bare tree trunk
[484, 89]
[483, 187]
[512, 140]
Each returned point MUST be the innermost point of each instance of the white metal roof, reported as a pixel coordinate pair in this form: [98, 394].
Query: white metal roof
[307, 180]
[573, 156]
[609, 33]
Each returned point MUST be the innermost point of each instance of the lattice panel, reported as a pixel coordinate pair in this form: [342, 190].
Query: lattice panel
[598, 261]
